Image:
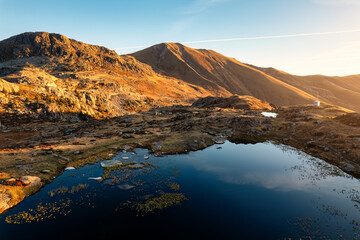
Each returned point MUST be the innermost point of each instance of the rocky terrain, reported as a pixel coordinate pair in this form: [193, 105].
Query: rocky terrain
[216, 72]
[49, 76]
[64, 103]
[45, 149]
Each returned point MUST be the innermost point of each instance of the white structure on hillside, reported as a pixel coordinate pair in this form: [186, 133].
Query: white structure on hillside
[316, 104]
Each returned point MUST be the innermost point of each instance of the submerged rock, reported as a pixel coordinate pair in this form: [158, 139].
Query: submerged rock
[136, 166]
[95, 178]
[125, 186]
[110, 163]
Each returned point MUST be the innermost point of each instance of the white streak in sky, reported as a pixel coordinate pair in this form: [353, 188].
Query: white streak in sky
[256, 38]
[273, 37]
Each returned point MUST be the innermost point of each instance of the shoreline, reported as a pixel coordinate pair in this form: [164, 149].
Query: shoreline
[169, 130]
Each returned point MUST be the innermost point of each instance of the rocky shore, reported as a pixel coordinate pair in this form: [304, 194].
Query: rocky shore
[44, 149]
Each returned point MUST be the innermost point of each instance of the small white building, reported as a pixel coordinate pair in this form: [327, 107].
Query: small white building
[316, 104]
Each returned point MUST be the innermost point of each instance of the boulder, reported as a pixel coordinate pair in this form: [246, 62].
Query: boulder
[30, 180]
[136, 166]
[219, 140]
[110, 163]
[125, 186]
[349, 167]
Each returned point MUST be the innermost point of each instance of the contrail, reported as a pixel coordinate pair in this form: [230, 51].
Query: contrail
[273, 37]
[257, 38]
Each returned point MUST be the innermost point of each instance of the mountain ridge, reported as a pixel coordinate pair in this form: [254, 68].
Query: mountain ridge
[227, 73]
[57, 77]
[246, 79]
[53, 75]
[343, 91]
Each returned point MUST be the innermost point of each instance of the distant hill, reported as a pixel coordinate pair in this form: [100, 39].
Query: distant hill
[341, 91]
[214, 71]
[209, 69]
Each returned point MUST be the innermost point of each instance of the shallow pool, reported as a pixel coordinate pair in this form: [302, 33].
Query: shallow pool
[228, 191]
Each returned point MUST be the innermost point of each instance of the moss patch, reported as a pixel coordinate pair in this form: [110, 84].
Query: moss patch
[174, 186]
[160, 203]
[41, 213]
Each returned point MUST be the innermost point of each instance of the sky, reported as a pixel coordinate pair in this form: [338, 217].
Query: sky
[301, 37]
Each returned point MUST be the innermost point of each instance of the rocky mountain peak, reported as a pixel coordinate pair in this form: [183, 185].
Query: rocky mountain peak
[35, 44]
[44, 44]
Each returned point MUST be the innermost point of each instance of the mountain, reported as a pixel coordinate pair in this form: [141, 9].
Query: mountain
[49, 76]
[46, 75]
[341, 91]
[215, 72]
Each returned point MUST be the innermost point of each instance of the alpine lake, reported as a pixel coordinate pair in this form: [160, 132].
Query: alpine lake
[226, 191]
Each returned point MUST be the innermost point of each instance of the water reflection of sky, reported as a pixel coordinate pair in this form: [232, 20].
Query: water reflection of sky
[280, 168]
[269, 114]
[232, 192]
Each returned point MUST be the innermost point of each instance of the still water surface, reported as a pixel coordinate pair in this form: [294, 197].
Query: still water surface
[260, 191]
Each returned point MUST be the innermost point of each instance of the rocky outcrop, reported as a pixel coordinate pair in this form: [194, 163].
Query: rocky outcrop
[6, 87]
[234, 102]
[14, 190]
[43, 44]
[48, 76]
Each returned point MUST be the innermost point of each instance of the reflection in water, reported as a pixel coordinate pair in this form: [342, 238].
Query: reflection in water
[261, 191]
[276, 167]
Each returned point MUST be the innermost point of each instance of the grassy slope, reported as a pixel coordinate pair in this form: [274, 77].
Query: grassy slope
[208, 68]
[341, 91]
